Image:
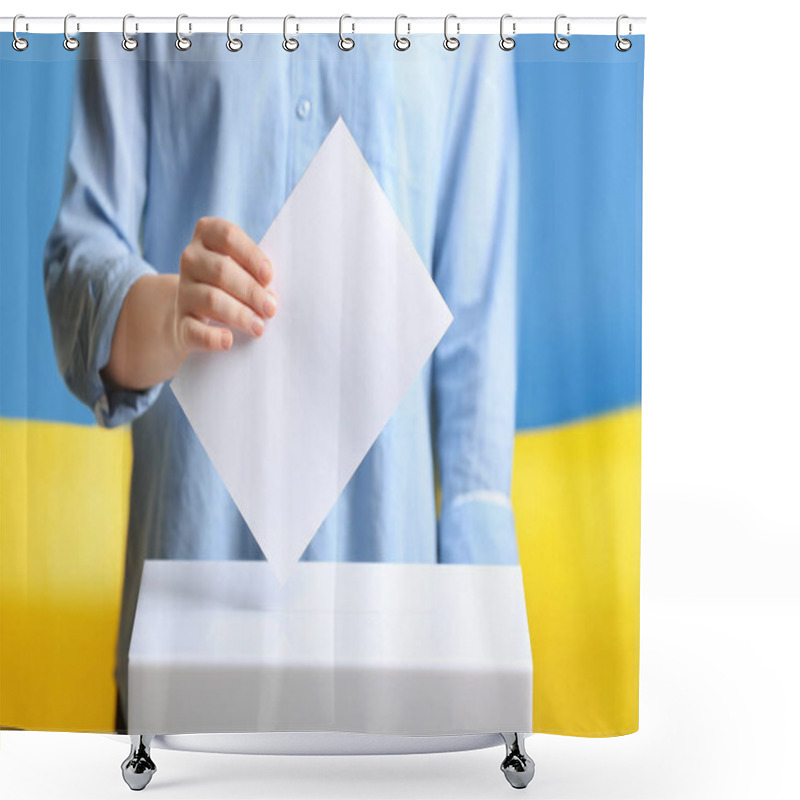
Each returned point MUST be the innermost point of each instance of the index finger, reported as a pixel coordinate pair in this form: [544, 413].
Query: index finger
[225, 237]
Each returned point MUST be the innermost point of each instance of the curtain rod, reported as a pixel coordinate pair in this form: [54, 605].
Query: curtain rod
[300, 24]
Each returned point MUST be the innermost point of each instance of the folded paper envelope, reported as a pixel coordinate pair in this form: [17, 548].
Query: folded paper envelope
[287, 418]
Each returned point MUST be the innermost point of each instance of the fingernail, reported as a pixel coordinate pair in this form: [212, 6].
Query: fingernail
[258, 326]
[266, 270]
[270, 304]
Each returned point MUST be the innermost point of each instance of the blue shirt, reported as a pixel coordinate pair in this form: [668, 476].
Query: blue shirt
[161, 138]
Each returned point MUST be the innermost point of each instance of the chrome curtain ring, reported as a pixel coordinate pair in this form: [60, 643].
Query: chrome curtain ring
[234, 45]
[289, 44]
[451, 42]
[561, 44]
[623, 45]
[345, 42]
[401, 42]
[182, 42]
[70, 42]
[18, 43]
[507, 42]
[128, 42]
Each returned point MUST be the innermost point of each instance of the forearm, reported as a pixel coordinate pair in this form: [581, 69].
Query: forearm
[144, 349]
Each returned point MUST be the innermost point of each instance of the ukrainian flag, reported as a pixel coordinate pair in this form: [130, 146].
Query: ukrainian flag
[576, 480]
[64, 482]
[576, 487]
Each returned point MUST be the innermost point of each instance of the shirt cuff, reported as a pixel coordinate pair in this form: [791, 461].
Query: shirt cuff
[114, 406]
[478, 528]
[117, 406]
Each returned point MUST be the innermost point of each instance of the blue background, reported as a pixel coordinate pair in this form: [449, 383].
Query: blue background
[580, 256]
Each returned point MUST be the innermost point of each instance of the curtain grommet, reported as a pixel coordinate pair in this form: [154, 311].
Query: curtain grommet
[18, 43]
[70, 42]
[289, 44]
[183, 43]
[128, 42]
[233, 44]
[401, 43]
[345, 42]
[451, 43]
[507, 42]
[561, 43]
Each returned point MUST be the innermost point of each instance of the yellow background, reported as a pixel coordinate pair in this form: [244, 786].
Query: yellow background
[63, 517]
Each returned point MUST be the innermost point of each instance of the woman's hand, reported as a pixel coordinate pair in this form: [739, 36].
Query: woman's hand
[223, 278]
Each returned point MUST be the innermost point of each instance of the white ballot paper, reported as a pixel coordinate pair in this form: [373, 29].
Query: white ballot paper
[287, 418]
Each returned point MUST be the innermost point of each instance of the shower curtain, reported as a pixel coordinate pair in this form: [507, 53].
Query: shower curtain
[454, 268]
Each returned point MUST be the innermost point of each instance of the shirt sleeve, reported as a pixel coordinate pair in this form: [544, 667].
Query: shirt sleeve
[92, 255]
[474, 365]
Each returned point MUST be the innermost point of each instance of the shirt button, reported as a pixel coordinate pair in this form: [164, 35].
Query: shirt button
[303, 108]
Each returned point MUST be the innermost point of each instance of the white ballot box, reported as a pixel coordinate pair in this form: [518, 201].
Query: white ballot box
[404, 649]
